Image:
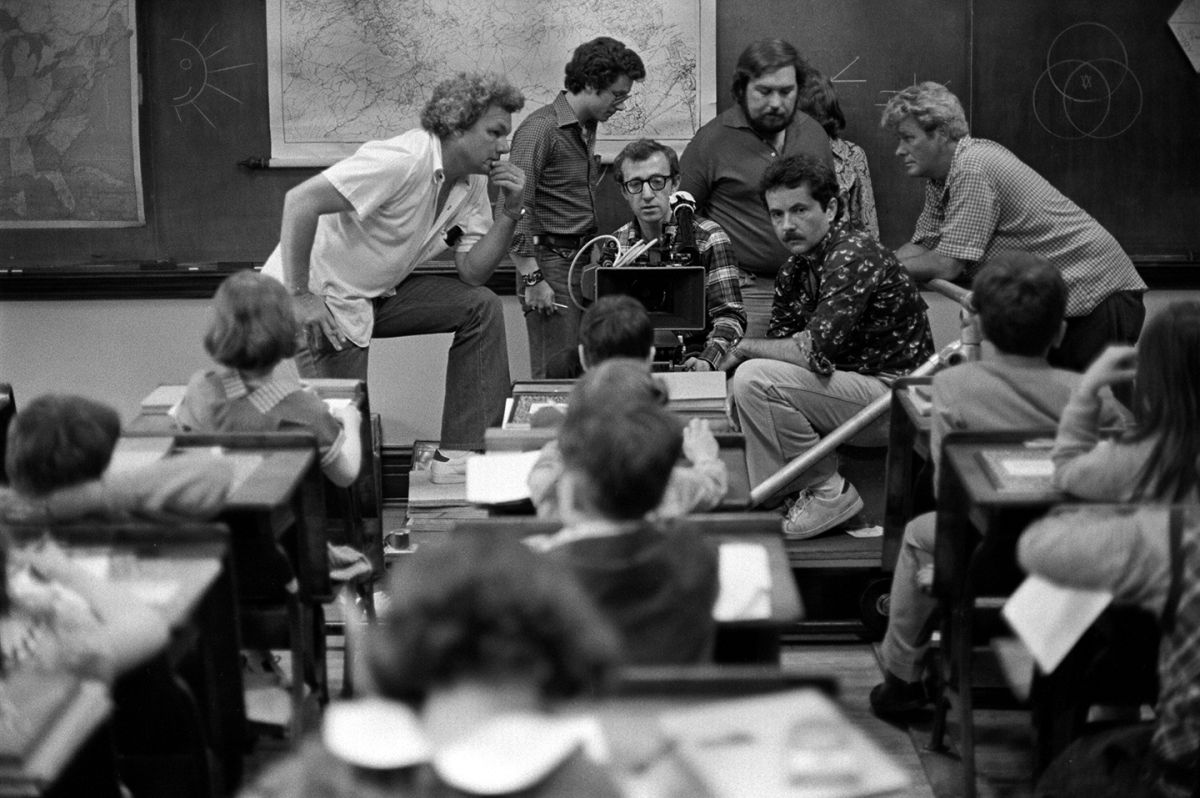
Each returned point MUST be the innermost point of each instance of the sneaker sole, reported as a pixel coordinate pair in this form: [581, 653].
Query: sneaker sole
[845, 515]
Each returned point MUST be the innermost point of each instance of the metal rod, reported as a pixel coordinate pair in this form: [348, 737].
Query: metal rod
[854, 425]
[948, 289]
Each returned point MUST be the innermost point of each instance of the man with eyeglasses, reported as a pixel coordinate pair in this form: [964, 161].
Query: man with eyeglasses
[555, 148]
[648, 173]
[722, 164]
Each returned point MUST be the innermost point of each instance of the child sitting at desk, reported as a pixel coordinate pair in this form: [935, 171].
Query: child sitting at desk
[616, 327]
[58, 453]
[657, 587]
[1020, 300]
[252, 332]
[59, 616]
[1143, 561]
[482, 638]
[1159, 459]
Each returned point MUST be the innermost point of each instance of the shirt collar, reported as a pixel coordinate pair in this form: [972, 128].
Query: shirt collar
[564, 113]
[815, 257]
[435, 150]
[736, 117]
[264, 397]
[964, 142]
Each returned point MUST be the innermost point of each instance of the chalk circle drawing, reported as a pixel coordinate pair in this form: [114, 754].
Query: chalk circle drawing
[1087, 90]
[196, 75]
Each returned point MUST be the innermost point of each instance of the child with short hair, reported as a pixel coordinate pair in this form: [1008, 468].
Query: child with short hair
[59, 616]
[657, 586]
[482, 638]
[1021, 300]
[256, 388]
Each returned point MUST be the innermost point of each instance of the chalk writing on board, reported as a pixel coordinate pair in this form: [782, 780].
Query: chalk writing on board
[1087, 89]
[838, 77]
[198, 75]
[945, 83]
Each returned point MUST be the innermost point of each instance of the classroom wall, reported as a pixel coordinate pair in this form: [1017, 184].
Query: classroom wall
[118, 352]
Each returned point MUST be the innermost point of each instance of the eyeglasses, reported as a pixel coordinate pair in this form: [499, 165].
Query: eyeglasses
[657, 183]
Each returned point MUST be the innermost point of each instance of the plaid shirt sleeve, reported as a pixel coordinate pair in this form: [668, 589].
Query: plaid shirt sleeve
[532, 145]
[928, 232]
[972, 212]
[726, 314]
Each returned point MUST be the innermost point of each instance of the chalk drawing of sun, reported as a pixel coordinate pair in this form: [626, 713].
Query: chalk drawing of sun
[196, 74]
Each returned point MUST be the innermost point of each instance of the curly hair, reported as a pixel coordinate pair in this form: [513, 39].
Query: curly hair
[253, 326]
[1021, 299]
[484, 608]
[763, 56]
[59, 440]
[931, 105]
[599, 63]
[457, 103]
[797, 170]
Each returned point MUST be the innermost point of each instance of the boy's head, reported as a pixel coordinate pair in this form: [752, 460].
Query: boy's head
[617, 457]
[1021, 300]
[486, 610]
[616, 382]
[60, 440]
[253, 326]
[615, 326]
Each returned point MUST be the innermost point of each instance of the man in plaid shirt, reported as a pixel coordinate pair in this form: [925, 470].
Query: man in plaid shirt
[648, 173]
[980, 198]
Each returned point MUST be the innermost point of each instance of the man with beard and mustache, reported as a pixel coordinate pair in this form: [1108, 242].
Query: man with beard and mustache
[722, 165]
[555, 148]
[846, 321]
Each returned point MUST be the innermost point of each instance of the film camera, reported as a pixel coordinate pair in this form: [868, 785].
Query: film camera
[665, 276]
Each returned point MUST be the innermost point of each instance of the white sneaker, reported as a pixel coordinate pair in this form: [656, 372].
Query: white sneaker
[448, 471]
[811, 515]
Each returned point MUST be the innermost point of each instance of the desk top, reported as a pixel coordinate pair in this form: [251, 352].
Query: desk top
[87, 708]
[1003, 473]
[784, 744]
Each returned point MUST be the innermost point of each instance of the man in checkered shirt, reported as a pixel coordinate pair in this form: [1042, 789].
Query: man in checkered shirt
[980, 198]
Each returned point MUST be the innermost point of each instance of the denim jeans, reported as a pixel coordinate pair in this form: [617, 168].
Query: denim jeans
[784, 409]
[910, 608]
[550, 333]
[477, 378]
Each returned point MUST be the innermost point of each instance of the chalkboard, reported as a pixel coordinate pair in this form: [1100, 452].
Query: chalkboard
[869, 48]
[1100, 98]
[201, 206]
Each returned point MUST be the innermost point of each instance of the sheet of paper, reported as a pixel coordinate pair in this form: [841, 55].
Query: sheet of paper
[337, 404]
[1050, 618]
[134, 453]
[164, 396]
[745, 582]
[1018, 467]
[499, 478]
[685, 385]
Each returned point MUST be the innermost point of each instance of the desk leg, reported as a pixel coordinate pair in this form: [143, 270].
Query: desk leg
[220, 676]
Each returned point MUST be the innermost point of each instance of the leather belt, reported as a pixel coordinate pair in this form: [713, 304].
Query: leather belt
[562, 242]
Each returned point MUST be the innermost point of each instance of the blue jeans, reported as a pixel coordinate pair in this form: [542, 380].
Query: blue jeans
[477, 379]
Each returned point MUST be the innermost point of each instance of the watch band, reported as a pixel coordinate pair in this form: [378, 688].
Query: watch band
[533, 278]
[516, 217]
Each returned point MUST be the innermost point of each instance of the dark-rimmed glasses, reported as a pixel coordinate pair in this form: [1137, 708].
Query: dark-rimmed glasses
[657, 183]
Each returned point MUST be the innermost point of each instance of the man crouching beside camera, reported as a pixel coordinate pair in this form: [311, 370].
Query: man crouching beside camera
[847, 320]
[648, 173]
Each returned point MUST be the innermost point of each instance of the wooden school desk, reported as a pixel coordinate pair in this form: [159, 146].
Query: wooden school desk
[991, 486]
[744, 640]
[182, 710]
[276, 514]
[726, 731]
[69, 741]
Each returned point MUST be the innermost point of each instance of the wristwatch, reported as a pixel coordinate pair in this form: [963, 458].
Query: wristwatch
[533, 278]
[515, 216]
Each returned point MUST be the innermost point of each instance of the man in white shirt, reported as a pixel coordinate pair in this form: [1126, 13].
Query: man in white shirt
[352, 236]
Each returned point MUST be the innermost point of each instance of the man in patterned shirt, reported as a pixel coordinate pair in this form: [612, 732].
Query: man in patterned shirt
[648, 173]
[980, 198]
[846, 321]
[554, 147]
